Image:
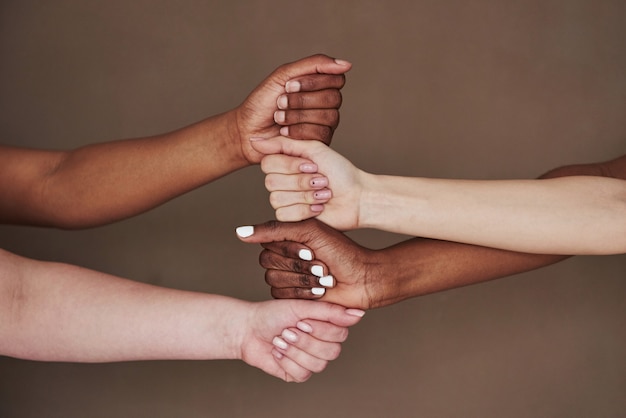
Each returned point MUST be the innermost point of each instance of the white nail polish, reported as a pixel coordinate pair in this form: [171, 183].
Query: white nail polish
[304, 254]
[317, 271]
[289, 335]
[318, 291]
[327, 281]
[304, 327]
[245, 231]
[280, 343]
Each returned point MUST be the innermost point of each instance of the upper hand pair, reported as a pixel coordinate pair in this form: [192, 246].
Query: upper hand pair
[299, 100]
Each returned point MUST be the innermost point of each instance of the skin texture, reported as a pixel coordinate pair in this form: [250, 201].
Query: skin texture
[106, 182]
[62, 312]
[568, 215]
[376, 278]
[59, 312]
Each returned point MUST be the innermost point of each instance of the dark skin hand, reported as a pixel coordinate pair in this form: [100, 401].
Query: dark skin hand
[369, 279]
[106, 182]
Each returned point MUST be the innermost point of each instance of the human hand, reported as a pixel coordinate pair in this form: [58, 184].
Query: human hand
[292, 339]
[310, 260]
[307, 179]
[300, 100]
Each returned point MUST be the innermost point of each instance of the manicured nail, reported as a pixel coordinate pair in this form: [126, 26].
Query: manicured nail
[341, 62]
[308, 168]
[304, 327]
[305, 255]
[322, 194]
[327, 281]
[318, 291]
[284, 131]
[280, 343]
[282, 102]
[279, 116]
[292, 86]
[277, 354]
[319, 182]
[245, 231]
[289, 335]
[355, 312]
[317, 271]
[317, 208]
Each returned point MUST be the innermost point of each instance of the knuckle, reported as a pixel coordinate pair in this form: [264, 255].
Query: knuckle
[275, 200]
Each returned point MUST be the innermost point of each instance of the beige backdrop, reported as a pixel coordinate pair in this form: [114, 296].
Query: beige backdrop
[480, 89]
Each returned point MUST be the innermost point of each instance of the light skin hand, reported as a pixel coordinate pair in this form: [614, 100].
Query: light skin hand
[107, 318]
[291, 169]
[375, 278]
[294, 340]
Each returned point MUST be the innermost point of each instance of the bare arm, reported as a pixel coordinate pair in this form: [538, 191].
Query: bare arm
[105, 182]
[59, 312]
[573, 215]
[367, 278]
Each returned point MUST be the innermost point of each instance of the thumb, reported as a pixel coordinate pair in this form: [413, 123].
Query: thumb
[315, 64]
[274, 231]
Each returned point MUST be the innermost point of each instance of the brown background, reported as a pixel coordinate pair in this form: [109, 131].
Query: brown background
[481, 89]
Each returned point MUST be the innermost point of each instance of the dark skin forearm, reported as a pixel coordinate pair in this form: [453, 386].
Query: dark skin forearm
[102, 183]
[376, 278]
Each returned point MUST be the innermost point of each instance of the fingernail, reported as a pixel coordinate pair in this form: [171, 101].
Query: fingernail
[319, 182]
[322, 194]
[305, 255]
[308, 168]
[279, 116]
[292, 86]
[277, 354]
[284, 131]
[256, 138]
[245, 231]
[317, 208]
[341, 62]
[282, 102]
[327, 281]
[317, 271]
[290, 335]
[280, 343]
[304, 327]
[318, 291]
[355, 312]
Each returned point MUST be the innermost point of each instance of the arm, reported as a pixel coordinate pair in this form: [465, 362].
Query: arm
[368, 279]
[105, 182]
[572, 215]
[59, 312]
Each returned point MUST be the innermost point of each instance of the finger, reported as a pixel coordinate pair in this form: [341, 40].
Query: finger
[288, 279]
[298, 183]
[323, 99]
[321, 133]
[298, 212]
[303, 359]
[293, 372]
[286, 164]
[282, 199]
[288, 250]
[305, 293]
[328, 117]
[325, 347]
[323, 330]
[315, 82]
[275, 231]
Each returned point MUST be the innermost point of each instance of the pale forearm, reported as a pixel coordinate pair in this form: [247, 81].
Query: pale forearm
[576, 215]
[58, 312]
